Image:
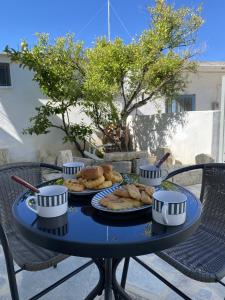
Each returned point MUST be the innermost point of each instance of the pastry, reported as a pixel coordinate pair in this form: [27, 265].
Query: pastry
[107, 168]
[149, 190]
[91, 184]
[145, 198]
[91, 173]
[122, 193]
[133, 191]
[117, 204]
[116, 177]
[74, 185]
[104, 185]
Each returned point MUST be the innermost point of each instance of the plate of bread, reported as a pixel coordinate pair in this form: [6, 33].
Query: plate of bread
[128, 198]
[91, 180]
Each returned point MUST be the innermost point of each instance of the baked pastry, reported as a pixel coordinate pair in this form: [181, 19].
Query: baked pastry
[107, 168]
[91, 173]
[122, 193]
[104, 185]
[91, 184]
[117, 204]
[149, 190]
[133, 191]
[145, 198]
[74, 185]
[116, 177]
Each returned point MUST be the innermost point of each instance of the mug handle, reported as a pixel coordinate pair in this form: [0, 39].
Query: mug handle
[27, 203]
[164, 213]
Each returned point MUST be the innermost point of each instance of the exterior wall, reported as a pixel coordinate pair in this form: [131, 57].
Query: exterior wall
[186, 135]
[205, 84]
[17, 105]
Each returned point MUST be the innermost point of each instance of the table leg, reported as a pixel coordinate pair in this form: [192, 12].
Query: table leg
[118, 290]
[100, 285]
[107, 281]
[108, 278]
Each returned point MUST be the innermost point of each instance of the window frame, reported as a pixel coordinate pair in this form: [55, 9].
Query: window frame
[8, 75]
[174, 102]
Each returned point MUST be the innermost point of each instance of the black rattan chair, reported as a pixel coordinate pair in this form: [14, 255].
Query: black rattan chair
[16, 248]
[202, 256]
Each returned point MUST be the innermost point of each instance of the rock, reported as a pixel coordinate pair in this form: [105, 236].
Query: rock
[121, 166]
[46, 156]
[86, 161]
[4, 156]
[64, 156]
[178, 162]
[120, 156]
[203, 159]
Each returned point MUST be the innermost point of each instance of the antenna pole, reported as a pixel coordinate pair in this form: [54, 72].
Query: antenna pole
[109, 20]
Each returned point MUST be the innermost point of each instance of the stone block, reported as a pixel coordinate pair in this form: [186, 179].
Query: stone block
[136, 163]
[121, 166]
[203, 159]
[187, 178]
[64, 156]
[120, 156]
[46, 156]
[4, 156]
[86, 161]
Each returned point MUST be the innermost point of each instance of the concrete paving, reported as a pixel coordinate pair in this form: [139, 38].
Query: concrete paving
[141, 284]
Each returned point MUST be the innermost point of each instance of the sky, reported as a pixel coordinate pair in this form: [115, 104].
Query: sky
[87, 19]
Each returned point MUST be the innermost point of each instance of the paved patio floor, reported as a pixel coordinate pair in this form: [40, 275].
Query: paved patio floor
[141, 284]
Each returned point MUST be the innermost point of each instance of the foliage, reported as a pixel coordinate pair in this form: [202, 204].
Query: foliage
[58, 70]
[151, 67]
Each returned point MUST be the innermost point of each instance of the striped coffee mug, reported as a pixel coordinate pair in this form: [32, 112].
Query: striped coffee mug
[169, 208]
[71, 169]
[152, 175]
[50, 202]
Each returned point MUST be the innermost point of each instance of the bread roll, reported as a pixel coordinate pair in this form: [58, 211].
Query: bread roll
[91, 173]
[107, 168]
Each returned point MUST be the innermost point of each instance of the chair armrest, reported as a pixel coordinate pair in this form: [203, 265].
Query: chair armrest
[49, 166]
[185, 169]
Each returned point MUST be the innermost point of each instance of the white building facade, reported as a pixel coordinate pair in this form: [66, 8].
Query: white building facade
[19, 95]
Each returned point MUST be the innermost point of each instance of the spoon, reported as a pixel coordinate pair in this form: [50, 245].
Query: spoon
[161, 161]
[25, 183]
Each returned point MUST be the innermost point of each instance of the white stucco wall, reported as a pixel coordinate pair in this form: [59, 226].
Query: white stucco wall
[194, 133]
[205, 84]
[17, 105]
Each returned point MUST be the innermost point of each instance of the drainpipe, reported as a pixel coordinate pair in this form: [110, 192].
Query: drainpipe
[222, 123]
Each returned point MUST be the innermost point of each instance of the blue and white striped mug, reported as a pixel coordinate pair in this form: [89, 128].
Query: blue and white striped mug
[71, 169]
[152, 175]
[169, 208]
[50, 202]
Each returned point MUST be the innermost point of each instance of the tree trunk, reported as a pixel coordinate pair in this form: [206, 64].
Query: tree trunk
[126, 138]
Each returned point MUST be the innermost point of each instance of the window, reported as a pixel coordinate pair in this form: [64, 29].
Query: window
[5, 79]
[181, 103]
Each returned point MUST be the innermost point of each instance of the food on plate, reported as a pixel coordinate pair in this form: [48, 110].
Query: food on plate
[91, 173]
[104, 185]
[145, 198]
[74, 185]
[133, 191]
[129, 196]
[94, 178]
[91, 184]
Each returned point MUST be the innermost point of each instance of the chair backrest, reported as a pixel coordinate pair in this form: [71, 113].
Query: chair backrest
[9, 189]
[213, 199]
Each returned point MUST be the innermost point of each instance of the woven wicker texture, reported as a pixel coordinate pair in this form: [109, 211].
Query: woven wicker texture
[25, 254]
[202, 256]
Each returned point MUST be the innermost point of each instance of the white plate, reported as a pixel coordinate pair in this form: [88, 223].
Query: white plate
[91, 192]
[95, 202]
